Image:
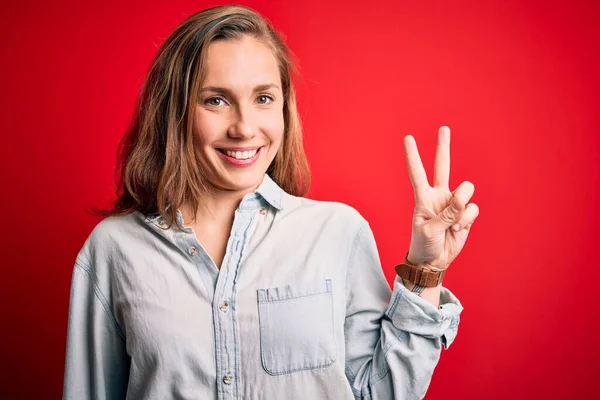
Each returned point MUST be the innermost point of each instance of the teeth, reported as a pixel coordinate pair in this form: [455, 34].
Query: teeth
[241, 155]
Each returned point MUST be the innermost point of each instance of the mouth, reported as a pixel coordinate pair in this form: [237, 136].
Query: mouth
[241, 154]
[241, 157]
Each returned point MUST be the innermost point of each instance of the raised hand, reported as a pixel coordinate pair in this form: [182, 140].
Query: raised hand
[438, 211]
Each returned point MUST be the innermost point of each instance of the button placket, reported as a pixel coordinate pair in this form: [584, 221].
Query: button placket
[226, 337]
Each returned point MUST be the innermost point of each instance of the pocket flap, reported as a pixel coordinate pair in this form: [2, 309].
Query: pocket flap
[298, 289]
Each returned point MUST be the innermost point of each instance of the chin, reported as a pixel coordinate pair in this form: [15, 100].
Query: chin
[238, 178]
[242, 180]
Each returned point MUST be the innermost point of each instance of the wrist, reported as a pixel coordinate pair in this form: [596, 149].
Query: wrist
[422, 274]
[413, 287]
[433, 264]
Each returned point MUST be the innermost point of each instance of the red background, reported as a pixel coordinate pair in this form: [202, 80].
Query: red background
[516, 81]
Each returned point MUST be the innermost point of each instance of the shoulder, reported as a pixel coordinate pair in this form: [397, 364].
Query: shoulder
[332, 209]
[325, 212]
[109, 235]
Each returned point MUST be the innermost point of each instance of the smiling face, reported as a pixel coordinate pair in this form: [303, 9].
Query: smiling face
[238, 121]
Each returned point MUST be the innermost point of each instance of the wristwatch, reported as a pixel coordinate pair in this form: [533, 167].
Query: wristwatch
[420, 274]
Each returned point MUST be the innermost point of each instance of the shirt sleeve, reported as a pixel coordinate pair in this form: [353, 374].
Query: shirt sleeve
[97, 364]
[393, 339]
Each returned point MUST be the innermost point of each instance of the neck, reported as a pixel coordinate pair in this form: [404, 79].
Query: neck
[217, 206]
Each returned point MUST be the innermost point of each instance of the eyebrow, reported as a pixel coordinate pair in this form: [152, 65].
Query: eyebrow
[258, 88]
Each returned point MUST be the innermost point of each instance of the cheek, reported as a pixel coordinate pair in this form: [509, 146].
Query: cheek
[207, 127]
[274, 126]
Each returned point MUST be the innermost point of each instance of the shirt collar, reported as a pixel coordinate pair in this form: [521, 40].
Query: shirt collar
[271, 192]
[268, 190]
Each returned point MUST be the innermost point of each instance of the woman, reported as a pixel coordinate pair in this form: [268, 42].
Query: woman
[212, 277]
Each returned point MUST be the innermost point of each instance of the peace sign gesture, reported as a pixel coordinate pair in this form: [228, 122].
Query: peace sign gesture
[434, 241]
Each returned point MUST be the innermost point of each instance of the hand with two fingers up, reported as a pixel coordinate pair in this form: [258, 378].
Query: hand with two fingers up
[442, 219]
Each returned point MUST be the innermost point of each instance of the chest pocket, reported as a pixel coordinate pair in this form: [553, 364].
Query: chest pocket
[296, 327]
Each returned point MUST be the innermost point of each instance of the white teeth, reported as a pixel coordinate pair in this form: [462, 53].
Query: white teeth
[241, 155]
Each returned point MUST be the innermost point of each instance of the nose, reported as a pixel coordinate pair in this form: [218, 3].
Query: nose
[242, 127]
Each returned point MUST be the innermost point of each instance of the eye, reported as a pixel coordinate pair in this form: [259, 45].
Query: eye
[264, 99]
[214, 101]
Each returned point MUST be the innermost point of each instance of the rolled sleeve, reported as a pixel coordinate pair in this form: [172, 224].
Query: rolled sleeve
[393, 337]
[411, 313]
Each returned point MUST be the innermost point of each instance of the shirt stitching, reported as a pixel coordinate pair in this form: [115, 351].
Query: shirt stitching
[233, 310]
[101, 298]
[348, 263]
[266, 298]
[365, 392]
[392, 309]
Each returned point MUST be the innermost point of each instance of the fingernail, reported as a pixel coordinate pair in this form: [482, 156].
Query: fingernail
[456, 227]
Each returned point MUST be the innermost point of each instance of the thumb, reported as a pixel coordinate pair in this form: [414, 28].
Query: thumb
[447, 217]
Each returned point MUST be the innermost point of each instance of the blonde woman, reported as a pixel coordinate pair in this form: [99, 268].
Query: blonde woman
[213, 278]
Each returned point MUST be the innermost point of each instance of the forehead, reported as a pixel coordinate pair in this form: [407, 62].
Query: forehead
[244, 62]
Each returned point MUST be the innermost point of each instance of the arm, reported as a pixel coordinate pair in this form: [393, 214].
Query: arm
[97, 365]
[393, 340]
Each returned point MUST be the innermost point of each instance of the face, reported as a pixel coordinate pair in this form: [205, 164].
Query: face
[238, 122]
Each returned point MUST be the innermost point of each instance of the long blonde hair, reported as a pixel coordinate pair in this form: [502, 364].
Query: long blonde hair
[157, 168]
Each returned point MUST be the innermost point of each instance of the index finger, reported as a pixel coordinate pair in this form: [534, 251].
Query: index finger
[416, 171]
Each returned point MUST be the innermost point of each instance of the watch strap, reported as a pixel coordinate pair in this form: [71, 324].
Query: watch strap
[420, 274]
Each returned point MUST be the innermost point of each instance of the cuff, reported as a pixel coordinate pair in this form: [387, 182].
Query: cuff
[413, 314]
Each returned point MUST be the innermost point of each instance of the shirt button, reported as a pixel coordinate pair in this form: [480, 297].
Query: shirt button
[263, 211]
[193, 250]
[224, 306]
[227, 379]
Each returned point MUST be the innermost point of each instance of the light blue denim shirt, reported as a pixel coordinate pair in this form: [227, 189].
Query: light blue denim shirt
[300, 309]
